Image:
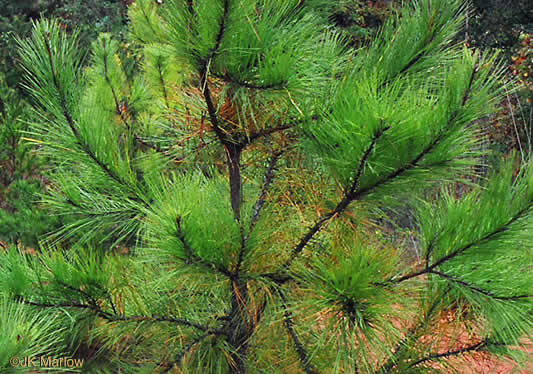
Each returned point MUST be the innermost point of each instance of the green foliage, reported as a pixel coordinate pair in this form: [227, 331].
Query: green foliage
[213, 233]
[22, 219]
[467, 245]
[15, 158]
[27, 333]
[237, 176]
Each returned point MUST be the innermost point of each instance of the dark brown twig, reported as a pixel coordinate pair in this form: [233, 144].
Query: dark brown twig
[300, 349]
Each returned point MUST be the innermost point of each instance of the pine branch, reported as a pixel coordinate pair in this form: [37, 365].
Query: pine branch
[90, 297]
[437, 356]
[108, 81]
[204, 65]
[153, 146]
[106, 213]
[416, 58]
[232, 148]
[364, 160]
[70, 121]
[162, 82]
[116, 317]
[94, 214]
[349, 196]
[244, 84]
[265, 132]
[278, 278]
[269, 176]
[239, 326]
[478, 289]
[147, 19]
[429, 249]
[83, 293]
[181, 355]
[404, 70]
[165, 153]
[177, 321]
[301, 4]
[235, 325]
[427, 150]
[300, 349]
[118, 108]
[190, 6]
[233, 155]
[59, 90]
[222, 29]
[267, 182]
[463, 249]
[354, 193]
[412, 333]
[90, 307]
[192, 257]
[213, 116]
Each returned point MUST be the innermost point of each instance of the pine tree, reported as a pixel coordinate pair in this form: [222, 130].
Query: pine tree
[224, 202]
